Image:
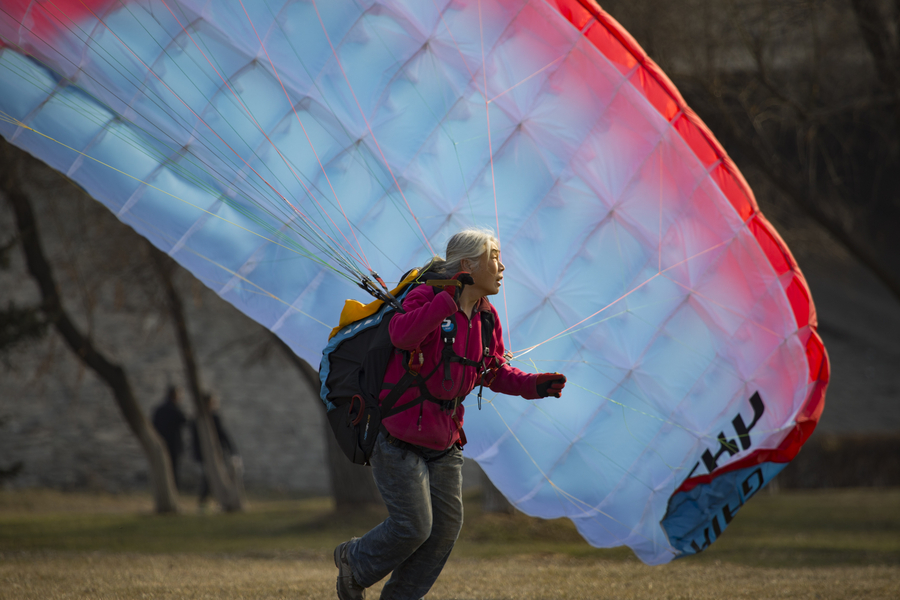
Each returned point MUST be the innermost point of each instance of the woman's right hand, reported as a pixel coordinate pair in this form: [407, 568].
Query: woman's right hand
[464, 278]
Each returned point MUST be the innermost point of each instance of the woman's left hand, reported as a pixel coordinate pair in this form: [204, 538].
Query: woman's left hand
[550, 384]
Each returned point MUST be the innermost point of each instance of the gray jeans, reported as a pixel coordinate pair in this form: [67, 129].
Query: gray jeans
[423, 495]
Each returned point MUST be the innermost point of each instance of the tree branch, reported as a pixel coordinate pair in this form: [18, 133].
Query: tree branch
[111, 373]
[352, 486]
[802, 196]
[882, 45]
[811, 204]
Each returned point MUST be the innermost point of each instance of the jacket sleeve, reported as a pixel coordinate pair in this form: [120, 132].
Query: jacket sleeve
[425, 311]
[507, 379]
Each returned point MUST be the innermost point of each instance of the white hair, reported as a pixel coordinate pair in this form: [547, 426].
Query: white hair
[468, 244]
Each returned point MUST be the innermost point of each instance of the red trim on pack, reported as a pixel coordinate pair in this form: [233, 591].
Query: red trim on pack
[819, 367]
[574, 12]
[735, 188]
[771, 244]
[655, 91]
[697, 139]
[610, 46]
[798, 295]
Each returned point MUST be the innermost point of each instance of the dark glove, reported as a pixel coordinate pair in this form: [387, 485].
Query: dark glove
[455, 291]
[550, 384]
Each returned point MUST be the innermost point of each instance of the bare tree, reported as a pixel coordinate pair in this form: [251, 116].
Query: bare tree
[352, 486]
[114, 375]
[492, 499]
[879, 24]
[224, 487]
[802, 93]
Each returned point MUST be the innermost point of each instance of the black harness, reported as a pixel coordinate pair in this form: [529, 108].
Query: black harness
[414, 360]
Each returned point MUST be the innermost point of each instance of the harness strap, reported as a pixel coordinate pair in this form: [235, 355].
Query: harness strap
[448, 355]
[397, 390]
[408, 380]
[417, 450]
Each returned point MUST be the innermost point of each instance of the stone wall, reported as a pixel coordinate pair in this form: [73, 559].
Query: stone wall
[59, 424]
[62, 424]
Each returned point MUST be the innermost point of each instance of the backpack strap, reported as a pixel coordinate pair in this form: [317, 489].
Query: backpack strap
[449, 355]
[411, 376]
[487, 336]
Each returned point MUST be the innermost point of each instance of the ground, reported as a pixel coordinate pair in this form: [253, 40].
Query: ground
[809, 544]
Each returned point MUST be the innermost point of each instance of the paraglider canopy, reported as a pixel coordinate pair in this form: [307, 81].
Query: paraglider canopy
[286, 152]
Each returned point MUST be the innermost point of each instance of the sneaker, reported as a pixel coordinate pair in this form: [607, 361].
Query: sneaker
[347, 587]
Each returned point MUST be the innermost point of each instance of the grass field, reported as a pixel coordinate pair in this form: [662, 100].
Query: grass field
[823, 544]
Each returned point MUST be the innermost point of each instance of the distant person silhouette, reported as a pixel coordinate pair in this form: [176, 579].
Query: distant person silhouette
[229, 451]
[168, 420]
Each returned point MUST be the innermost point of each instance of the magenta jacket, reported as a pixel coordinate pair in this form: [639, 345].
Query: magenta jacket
[418, 330]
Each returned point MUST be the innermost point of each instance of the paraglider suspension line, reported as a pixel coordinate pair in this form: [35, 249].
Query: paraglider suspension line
[381, 293]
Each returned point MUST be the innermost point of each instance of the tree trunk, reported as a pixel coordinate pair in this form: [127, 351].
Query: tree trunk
[162, 480]
[492, 500]
[223, 486]
[352, 486]
[880, 33]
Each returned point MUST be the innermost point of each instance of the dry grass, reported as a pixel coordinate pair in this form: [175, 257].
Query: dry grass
[55, 575]
[842, 544]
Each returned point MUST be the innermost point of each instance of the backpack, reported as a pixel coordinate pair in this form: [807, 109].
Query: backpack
[355, 360]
